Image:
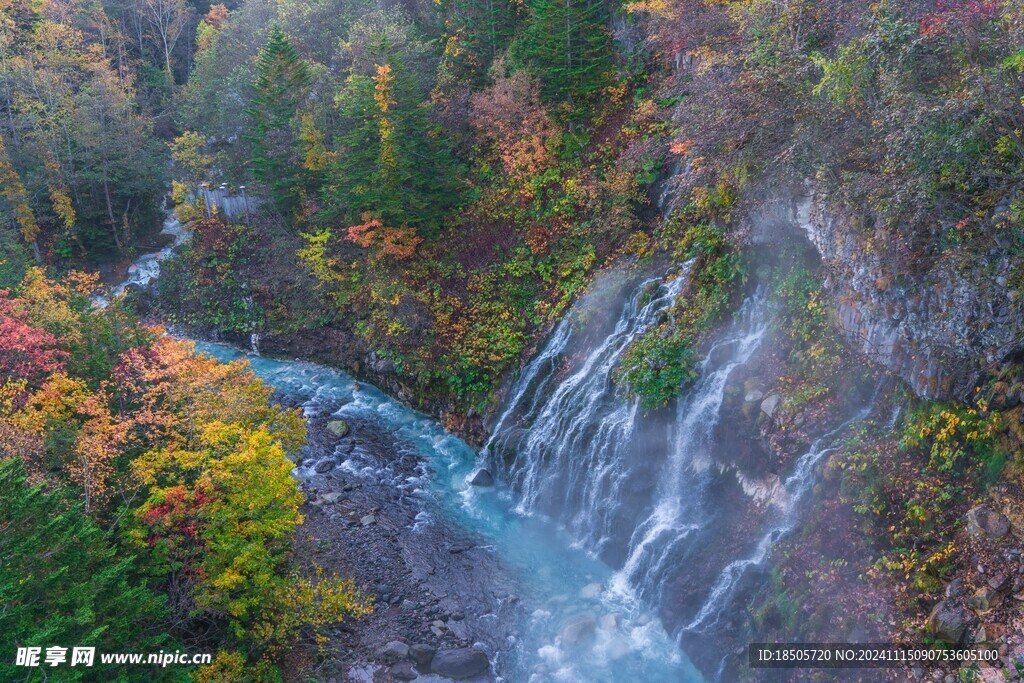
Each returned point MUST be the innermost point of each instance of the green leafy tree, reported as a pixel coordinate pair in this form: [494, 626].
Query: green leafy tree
[281, 87]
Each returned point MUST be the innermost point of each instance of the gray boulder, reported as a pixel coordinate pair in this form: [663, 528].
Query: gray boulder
[983, 599]
[395, 651]
[385, 367]
[948, 622]
[403, 671]
[463, 662]
[481, 478]
[422, 654]
[770, 405]
[325, 465]
[999, 582]
[982, 521]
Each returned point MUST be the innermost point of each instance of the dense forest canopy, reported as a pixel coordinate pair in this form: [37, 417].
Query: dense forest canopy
[424, 166]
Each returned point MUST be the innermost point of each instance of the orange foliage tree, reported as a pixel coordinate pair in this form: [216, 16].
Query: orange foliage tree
[384, 242]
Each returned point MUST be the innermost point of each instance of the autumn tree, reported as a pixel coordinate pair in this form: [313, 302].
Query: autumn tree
[392, 166]
[222, 505]
[511, 123]
[26, 352]
[208, 28]
[13, 191]
[118, 154]
[194, 166]
[187, 152]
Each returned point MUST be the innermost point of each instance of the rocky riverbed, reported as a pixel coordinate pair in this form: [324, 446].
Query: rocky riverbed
[445, 607]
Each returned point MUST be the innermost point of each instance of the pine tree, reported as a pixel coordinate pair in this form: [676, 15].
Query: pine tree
[480, 31]
[391, 165]
[568, 46]
[280, 88]
[62, 584]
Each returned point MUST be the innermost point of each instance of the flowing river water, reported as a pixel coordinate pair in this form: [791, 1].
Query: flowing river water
[629, 534]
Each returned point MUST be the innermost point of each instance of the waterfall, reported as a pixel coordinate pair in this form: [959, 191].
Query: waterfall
[577, 457]
[663, 498]
[572, 458]
[677, 510]
[795, 488]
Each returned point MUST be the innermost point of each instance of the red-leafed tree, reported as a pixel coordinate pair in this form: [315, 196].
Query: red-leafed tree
[26, 352]
[956, 16]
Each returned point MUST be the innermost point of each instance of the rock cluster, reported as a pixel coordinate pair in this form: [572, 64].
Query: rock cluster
[979, 609]
[409, 662]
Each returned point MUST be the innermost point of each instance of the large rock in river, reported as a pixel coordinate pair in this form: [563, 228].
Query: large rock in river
[578, 629]
[338, 427]
[463, 662]
[481, 478]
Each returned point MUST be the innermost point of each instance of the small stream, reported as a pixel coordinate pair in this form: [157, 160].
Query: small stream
[146, 268]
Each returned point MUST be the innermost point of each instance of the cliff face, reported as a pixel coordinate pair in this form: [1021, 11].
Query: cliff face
[941, 328]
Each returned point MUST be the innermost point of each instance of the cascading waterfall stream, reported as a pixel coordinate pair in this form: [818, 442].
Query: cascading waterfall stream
[146, 268]
[795, 488]
[662, 500]
[582, 418]
[677, 508]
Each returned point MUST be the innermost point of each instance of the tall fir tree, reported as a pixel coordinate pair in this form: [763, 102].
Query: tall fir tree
[567, 44]
[279, 91]
[62, 583]
[479, 31]
[392, 165]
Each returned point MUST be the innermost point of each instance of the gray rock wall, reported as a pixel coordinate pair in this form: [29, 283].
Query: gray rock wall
[940, 329]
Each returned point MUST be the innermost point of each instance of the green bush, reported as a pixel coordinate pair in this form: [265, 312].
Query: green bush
[661, 362]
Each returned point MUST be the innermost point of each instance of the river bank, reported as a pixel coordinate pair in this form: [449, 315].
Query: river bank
[436, 589]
